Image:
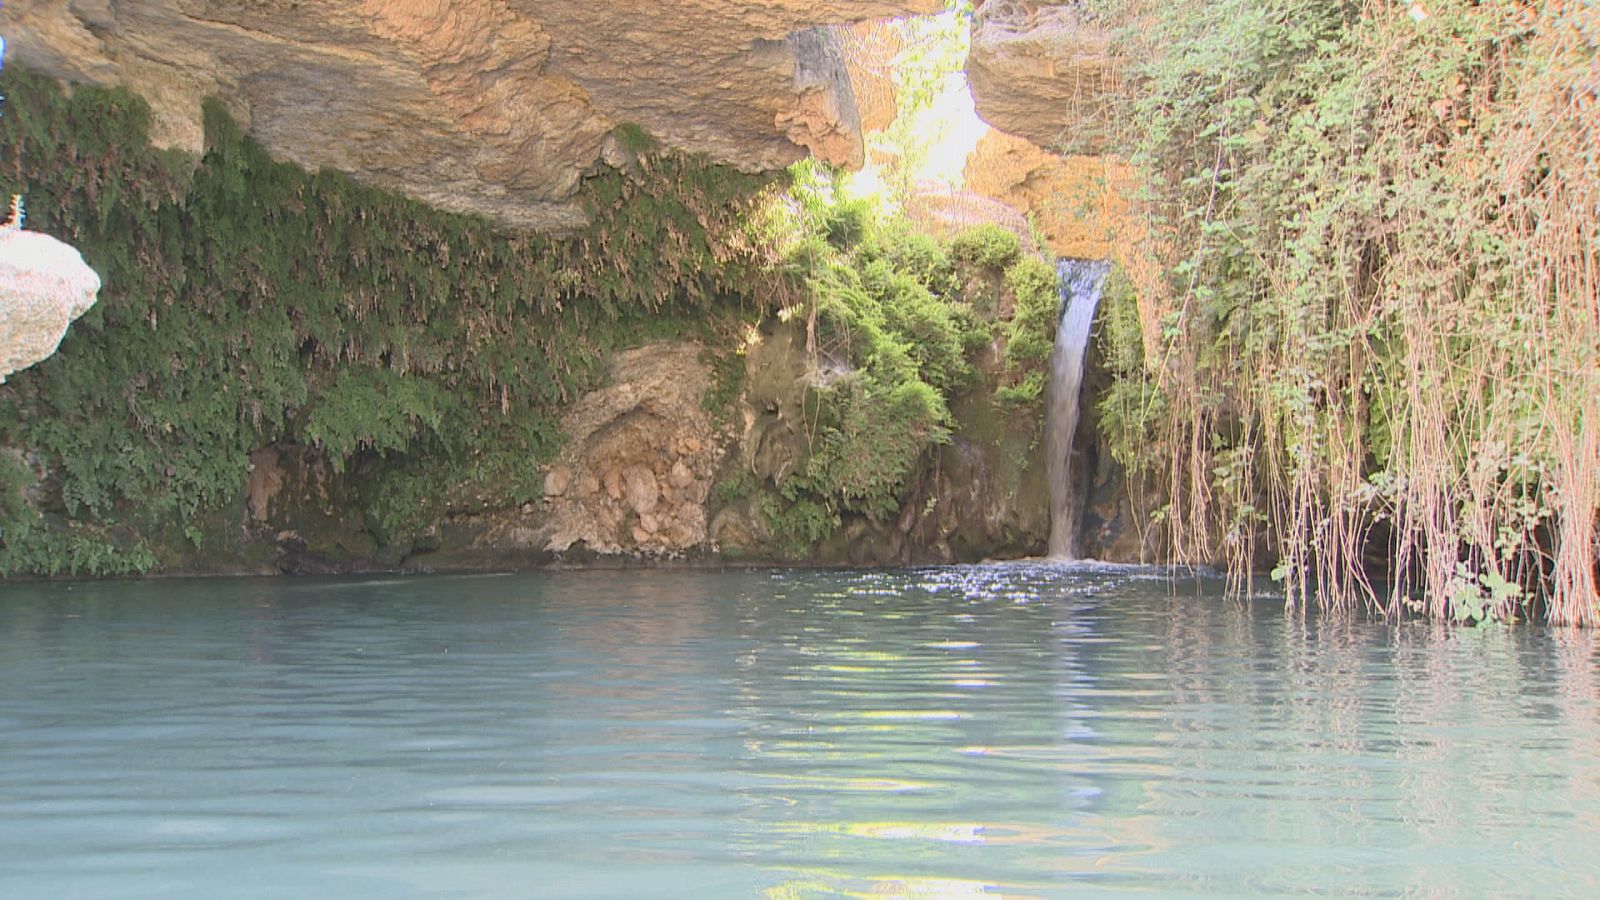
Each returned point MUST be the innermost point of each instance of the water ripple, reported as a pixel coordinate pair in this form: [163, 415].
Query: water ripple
[1026, 729]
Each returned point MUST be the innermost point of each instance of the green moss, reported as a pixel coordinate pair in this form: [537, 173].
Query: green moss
[1031, 334]
[797, 523]
[248, 302]
[1121, 336]
[896, 342]
[635, 139]
[922, 257]
[422, 358]
[727, 380]
[987, 246]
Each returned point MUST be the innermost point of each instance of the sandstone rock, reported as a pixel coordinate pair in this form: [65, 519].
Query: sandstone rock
[265, 482]
[1043, 70]
[681, 475]
[946, 212]
[557, 480]
[775, 439]
[644, 429]
[44, 286]
[639, 483]
[495, 107]
[870, 49]
[697, 492]
[738, 532]
[1078, 202]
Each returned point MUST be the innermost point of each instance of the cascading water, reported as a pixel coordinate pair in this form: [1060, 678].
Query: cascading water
[1081, 282]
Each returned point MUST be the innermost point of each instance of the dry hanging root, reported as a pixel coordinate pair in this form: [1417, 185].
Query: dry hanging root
[14, 219]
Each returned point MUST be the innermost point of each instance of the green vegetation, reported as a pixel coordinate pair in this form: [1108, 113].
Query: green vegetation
[251, 303]
[1030, 327]
[418, 361]
[1032, 331]
[893, 341]
[1377, 334]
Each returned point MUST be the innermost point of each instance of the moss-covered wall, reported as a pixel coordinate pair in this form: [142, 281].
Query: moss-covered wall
[248, 302]
[402, 366]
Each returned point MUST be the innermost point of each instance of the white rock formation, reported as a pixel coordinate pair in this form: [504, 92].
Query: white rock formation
[44, 286]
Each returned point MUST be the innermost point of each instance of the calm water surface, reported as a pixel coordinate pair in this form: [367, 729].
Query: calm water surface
[999, 731]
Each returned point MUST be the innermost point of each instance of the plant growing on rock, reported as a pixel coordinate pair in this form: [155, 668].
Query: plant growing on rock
[251, 303]
[1378, 334]
[892, 340]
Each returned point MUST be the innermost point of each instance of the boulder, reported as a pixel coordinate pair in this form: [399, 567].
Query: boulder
[641, 455]
[1044, 70]
[44, 286]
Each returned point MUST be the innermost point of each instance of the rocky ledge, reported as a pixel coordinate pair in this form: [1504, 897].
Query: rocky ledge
[1043, 70]
[496, 107]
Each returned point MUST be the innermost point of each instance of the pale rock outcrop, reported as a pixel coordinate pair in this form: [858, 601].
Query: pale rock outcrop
[640, 460]
[1046, 75]
[942, 211]
[1080, 203]
[496, 107]
[1044, 70]
[44, 286]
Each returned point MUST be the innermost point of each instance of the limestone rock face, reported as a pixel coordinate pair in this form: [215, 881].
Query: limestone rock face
[637, 471]
[44, 286]
[495, 107]
[1043, 70]
[1080, 203]
[870, 50]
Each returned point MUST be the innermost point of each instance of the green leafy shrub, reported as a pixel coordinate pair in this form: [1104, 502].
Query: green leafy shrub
[987, 246]
[894, 340]
[1031, 335]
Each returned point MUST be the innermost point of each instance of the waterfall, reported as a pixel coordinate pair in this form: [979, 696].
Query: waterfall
[1080, 283]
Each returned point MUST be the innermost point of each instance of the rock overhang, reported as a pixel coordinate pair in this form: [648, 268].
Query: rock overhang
[491, 107]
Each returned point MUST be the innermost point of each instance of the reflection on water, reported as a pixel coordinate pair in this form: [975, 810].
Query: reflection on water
[990, 731]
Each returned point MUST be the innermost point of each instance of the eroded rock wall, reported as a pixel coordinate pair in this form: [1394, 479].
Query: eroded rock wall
[495, 107]
[641, 456]
[1044, 75]
[1044, 70]
[1080, 203]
